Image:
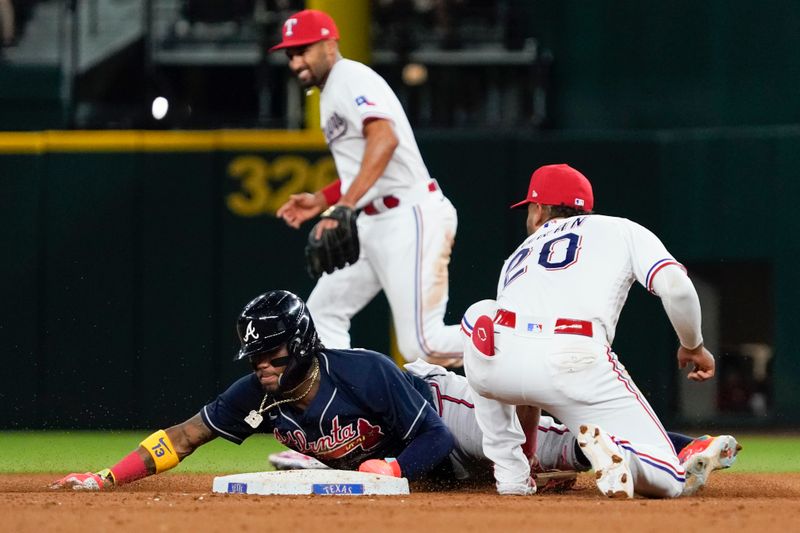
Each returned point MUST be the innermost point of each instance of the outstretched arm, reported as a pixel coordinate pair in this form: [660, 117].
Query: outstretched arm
[159, 452]
[190, 435]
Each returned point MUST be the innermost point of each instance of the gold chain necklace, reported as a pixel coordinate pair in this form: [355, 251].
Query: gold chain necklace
[254, 418]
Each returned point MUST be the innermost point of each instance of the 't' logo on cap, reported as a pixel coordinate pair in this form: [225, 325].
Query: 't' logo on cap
[287, 27]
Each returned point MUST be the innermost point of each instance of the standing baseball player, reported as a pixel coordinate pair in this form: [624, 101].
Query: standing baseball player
[351, 409]
[404, 234]
[546, 340]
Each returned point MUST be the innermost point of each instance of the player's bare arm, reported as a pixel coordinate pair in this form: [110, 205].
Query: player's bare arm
[190, 435]
[157, 453]
[529, 420]
[381, 144]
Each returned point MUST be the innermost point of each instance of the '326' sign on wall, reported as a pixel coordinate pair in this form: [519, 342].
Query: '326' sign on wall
[265, 184]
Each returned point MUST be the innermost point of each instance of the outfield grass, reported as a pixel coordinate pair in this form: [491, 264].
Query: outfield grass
[767, 453]
[81, 451]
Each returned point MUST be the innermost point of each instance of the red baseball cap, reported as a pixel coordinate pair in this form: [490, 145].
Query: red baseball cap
[307, 27]
[559, 185]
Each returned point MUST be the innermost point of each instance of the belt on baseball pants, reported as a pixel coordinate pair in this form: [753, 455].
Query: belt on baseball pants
[390, 202]
[563, 326]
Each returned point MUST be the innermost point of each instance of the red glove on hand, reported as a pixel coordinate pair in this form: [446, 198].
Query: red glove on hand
[87, 481]
[379, 466]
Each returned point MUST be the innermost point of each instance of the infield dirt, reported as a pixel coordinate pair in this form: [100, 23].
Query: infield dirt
[731, 502]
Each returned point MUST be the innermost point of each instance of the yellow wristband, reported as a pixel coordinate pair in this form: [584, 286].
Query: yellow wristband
[161, 450]
[106, 474]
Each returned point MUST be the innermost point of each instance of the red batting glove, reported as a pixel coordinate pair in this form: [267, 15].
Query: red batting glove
[87, 481]
[379, 466]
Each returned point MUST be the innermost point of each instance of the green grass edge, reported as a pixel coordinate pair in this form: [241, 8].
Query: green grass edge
[82, 451]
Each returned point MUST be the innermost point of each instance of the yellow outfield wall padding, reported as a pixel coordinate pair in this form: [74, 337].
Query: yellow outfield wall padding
[158, 141]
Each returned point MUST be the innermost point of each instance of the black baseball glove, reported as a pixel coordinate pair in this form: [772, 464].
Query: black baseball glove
[337, 247]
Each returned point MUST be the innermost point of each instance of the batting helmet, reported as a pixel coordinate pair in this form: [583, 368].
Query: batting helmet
[273, 319]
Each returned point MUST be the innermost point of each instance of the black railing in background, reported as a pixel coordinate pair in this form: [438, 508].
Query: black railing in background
[207, 60]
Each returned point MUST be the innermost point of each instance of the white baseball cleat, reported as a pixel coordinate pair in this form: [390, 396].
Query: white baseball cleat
[612, 474]
[704, 455]
[292, 460]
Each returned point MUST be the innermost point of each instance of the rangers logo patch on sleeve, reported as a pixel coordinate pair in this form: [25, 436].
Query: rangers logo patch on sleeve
[362, 100]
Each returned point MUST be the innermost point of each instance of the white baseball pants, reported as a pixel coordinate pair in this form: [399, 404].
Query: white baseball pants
[580, 381]
[454, 400]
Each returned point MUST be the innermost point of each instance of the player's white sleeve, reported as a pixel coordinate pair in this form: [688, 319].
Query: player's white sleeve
[681, 303]
[366, 94]
[648, 254]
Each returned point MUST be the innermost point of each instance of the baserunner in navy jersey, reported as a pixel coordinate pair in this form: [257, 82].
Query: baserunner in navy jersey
[363, 407]
[349, 409]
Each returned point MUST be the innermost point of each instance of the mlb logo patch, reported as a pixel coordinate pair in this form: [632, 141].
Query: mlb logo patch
[534, 328]
[579, 201]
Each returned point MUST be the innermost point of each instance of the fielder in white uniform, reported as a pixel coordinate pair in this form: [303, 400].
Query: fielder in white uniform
[546, 340]
[406, 226]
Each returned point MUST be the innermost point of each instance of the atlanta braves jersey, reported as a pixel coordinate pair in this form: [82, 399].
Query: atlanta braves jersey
[353, 94]
[365, 408]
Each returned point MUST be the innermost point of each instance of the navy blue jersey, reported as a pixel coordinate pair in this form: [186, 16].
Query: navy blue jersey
[365, 408]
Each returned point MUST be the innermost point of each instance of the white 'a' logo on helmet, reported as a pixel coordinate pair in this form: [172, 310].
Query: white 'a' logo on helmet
[288, 25]
[250, 332]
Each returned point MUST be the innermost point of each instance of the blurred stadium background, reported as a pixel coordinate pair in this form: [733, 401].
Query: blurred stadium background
[146, 145]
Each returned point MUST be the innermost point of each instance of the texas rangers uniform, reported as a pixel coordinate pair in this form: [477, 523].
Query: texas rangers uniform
[406, 227]
[558, 300]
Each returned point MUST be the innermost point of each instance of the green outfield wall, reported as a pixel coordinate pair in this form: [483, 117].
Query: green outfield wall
[127, 255]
